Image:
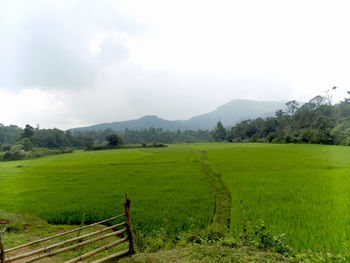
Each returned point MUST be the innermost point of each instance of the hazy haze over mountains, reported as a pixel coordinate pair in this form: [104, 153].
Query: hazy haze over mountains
[76, 63]
[229, 114]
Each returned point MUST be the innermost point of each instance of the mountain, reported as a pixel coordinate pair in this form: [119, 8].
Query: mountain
[229, 114]
[236, 111]
[141, 123]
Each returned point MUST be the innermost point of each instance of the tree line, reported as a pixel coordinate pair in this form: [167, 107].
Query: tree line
[317, 121]
[35, 137]
[148, 135]
[29, 137]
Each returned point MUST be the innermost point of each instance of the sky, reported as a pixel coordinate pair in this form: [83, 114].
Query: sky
[72, 63]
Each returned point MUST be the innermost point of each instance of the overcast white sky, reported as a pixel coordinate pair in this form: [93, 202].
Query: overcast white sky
[69, 63]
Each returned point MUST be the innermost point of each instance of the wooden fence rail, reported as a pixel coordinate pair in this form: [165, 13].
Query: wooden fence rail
[48, 251]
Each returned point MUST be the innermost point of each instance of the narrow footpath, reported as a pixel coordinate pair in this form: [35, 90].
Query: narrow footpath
[222, 209]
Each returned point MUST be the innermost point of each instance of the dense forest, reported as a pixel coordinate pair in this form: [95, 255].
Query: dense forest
[48, 138]
[150, 135]
[317, 121]
[56, 138]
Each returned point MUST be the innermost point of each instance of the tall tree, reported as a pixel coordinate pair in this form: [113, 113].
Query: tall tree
[292, 106]
[114, 139]
[28, 132]
[219, 132]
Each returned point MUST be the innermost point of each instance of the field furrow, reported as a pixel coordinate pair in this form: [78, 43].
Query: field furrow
[222, 210]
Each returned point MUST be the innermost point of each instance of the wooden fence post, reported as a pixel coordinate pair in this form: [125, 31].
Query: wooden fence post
[128, 224]
[2, 250]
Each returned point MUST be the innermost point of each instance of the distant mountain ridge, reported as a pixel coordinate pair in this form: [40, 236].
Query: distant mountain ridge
[229, 114]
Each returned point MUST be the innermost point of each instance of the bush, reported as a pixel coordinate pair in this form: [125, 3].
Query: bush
[27, 144]
[13, 156]
[34, 153]
[159, 145]
[278, 140]
[271, 136]
[16, 147]
[260, 237]
[267, 240]
[17, 155]
[7, 156]
[114, 139]
[99, 147]
[212, 235]
[288, 139]
[6, 147]
[254, 138]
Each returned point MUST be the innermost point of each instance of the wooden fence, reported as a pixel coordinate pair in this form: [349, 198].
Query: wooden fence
[123, 235]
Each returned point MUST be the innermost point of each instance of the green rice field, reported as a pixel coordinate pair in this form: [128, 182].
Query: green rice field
[300, 190]
[166, 187]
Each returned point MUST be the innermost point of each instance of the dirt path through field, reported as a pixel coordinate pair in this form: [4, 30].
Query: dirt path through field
[222, 209]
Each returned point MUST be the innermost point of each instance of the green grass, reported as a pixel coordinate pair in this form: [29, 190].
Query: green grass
[167, 188]
[300, 190]
[208, 254]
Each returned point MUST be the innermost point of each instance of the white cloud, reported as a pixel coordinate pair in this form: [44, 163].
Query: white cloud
[99, 61]
[32, 106]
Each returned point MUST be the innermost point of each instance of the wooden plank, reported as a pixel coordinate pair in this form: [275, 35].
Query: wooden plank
[81, 244]
[45, 249]
[128, 224]
[2, 252]
[62, 234]
[113, 256]
[99, 250]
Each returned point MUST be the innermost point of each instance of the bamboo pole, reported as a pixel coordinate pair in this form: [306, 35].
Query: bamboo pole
[81, 244]
[45, 249]
[128, 224]
[62, 234]
[113, 256]
[99, 250]
[2, 252]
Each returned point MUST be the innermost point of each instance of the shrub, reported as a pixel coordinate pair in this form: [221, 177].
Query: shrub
[211, 235]
[17, 155]
[278, 140]
[114, 139]
[271, 136]
[6, 147]
[16, 147]
[34, 153]
[260, 237]
[7, 156]
[267, 240]
[254, 138]
[159, 145]
[27, 144]
[288, 139]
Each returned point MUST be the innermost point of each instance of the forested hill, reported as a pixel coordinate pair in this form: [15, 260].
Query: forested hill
[149, 121]
[317, 121]
[234, 112]
[229, 114]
